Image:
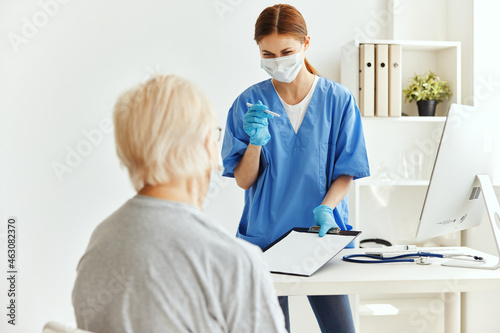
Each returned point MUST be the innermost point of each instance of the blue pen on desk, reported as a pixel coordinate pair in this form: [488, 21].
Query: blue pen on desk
[266, 111]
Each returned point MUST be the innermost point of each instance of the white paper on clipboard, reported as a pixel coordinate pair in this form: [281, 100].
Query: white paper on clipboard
[303, 253]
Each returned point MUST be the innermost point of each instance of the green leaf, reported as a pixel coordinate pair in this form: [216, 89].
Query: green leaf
[428, 86]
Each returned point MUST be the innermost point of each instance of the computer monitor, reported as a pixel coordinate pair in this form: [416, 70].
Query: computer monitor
[460, 188]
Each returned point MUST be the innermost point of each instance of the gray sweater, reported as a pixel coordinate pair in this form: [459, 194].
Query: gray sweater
[162, 266]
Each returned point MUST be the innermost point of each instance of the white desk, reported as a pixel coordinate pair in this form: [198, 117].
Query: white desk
[339, 277]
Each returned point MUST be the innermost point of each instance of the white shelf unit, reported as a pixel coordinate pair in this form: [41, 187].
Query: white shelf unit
[418, 57]
[387, 205]
[403, 119]
[391, 182]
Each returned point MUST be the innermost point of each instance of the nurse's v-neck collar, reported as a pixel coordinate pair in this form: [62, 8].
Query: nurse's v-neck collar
[289, 137]
[298, 111]
[309, 93]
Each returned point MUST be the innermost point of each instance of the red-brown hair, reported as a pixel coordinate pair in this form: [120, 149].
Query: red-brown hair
[284, 20]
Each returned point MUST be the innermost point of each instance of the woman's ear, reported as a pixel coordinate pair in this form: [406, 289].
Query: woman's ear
[307, 42]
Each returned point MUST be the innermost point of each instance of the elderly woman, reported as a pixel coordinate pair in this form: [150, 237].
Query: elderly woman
[158, 264]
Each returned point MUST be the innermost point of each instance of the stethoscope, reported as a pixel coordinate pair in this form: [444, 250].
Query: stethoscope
[421, 258]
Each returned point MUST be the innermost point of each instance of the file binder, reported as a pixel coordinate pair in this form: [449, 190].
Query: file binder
[367, 80]
[381, 80]
[302, 252]
[395, 80]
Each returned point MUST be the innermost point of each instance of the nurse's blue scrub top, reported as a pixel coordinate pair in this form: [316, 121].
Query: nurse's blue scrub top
[296, 170]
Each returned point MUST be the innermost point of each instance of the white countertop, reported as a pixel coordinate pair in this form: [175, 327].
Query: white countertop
[340, 277]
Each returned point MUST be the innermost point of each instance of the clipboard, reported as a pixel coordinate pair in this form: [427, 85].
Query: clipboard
[302, 252]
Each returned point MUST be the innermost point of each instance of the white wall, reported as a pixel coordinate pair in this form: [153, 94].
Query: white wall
[421, 20]
[61, 82]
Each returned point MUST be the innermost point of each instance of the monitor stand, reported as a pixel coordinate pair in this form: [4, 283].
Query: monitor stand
[493, 210]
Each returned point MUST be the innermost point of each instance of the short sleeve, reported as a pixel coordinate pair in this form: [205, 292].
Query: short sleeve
[350, 151]
[235, 139]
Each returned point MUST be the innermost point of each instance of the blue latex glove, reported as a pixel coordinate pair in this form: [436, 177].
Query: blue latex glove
[323, 216]
[255, 124]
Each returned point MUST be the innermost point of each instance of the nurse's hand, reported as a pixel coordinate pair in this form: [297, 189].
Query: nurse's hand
[323, 216]
[255, 124]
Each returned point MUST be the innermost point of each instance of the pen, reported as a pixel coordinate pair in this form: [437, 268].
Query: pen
[266, 111]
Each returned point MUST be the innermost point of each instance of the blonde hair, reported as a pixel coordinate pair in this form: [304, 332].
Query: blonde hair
[160, 131]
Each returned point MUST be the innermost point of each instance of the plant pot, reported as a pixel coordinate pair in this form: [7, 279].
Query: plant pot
[427, 108]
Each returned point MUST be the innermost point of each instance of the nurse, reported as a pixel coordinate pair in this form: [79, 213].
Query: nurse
[296, 169]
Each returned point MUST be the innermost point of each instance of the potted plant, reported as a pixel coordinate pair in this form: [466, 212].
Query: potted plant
[427, 90]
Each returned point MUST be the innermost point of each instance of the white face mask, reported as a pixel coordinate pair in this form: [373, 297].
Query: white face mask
[215, 180]
[215, 176]
[284, 69]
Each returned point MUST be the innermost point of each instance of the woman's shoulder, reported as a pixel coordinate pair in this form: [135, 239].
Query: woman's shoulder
[334, 87]
[255, 88]
[249, 95]
[217, 243]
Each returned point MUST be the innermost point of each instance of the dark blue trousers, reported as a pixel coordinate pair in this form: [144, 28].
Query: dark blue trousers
[333, 313]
